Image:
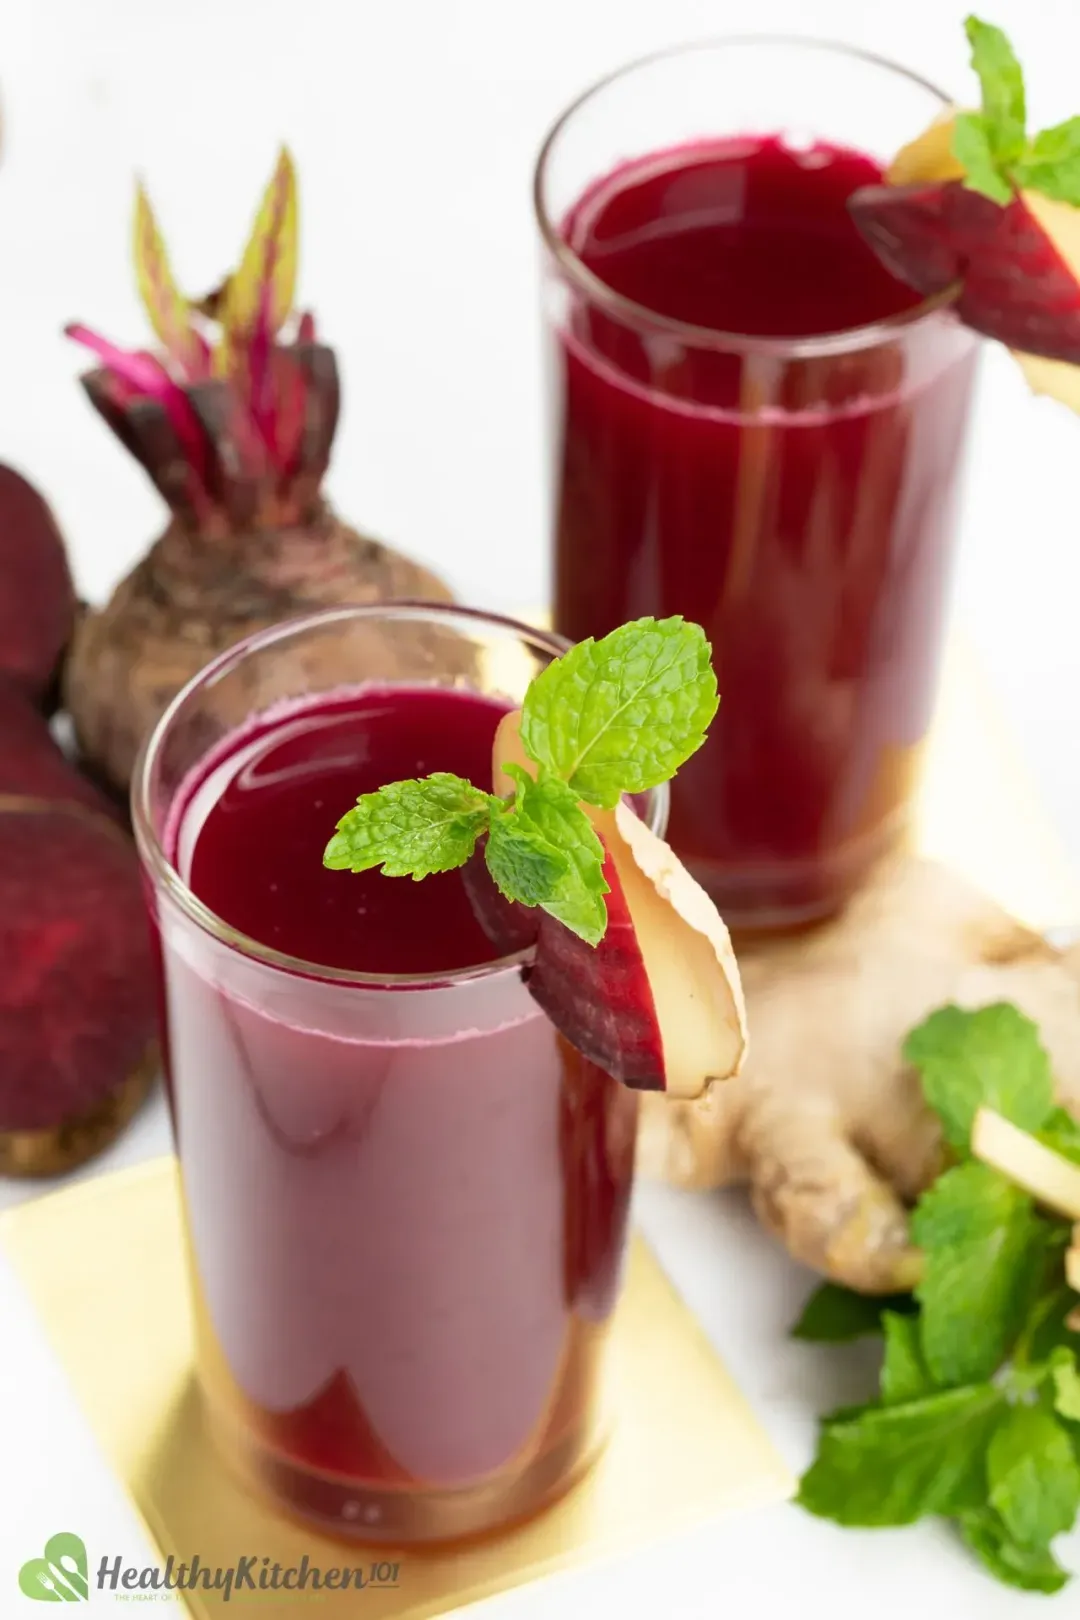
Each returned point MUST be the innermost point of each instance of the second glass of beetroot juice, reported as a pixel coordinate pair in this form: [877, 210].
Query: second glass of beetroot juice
[754, 425]
[405, 1195]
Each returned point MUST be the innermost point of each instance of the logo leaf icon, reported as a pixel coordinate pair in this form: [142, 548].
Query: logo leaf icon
[61, 1576]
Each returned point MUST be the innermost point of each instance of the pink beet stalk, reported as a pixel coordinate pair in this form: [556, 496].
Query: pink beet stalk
[141, 371]
[144, 376]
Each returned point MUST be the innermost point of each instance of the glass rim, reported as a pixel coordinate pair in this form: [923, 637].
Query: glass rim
[627, 310]
[164, 874]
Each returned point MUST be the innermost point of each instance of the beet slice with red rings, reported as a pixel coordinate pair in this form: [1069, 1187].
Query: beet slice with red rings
[77, 994]
[37, 598]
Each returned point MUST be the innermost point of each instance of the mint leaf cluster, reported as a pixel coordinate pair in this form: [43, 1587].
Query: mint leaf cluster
[978, 1414]
[993, 144]
[610, 717]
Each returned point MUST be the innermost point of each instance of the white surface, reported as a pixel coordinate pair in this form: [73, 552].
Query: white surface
[415, 126]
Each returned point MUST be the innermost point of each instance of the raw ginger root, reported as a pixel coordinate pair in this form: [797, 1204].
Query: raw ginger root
[233, 417]
[827, 1126]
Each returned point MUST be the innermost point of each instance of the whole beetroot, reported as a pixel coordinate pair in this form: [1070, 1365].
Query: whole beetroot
[37, 598]
[233, 419]
[32, 766]
[77, 998]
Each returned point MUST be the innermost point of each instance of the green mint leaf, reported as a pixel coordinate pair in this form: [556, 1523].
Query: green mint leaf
[622, 714]
[1002, 81]
[1030, 1569]
[991, 1058]
[1033, 1475]
[904, 1373]
[552, 808]
[524, 865]
[835, 1315]
[892, 1465]
[1046, 1331]
[983, 1247]
[1073, 1431]
[1051, 163]
[1066, 1380]
[971, 147]
[1061, 182]
[411, 829]
[1062, 1133]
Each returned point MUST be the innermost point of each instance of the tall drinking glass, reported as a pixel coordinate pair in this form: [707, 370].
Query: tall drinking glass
[754, 425]
[405, 1195]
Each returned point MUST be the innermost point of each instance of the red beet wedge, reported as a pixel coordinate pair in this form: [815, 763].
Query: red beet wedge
[37, 598]
[657, 1003]
[981, 207]
[77, 1010]
[1013, 283]
[600, 997]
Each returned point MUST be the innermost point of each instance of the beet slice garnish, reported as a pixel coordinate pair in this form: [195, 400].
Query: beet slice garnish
[657, 1003]
[599, 996]
[1012, 283]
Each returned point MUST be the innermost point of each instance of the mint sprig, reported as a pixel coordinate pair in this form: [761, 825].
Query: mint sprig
[978, 1416]
[610, 717]
[551, 806]
[993, 145]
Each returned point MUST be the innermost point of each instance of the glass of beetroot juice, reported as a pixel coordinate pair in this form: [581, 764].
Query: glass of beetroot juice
[755, 425]
[405, 1194]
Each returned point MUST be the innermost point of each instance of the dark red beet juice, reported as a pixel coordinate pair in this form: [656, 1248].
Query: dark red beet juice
[406, 1203]
[790, 485]
[254, 831]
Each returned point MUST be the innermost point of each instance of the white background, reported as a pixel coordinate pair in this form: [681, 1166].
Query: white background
[415, 124]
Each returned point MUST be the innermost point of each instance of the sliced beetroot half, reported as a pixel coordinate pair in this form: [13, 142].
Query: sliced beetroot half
[32, 765]
[37, 597]
[77, 1008]
[600, 997]
[1014, 284]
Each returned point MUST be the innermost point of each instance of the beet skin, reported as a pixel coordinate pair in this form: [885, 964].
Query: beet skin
[37, 598]
[31, 764]
[77, 1003]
